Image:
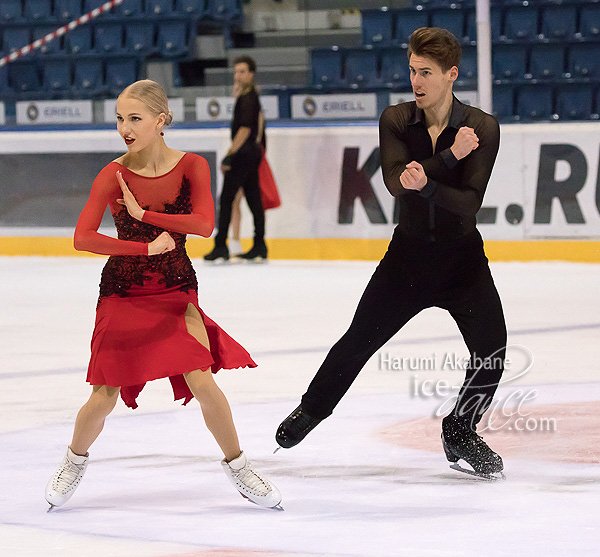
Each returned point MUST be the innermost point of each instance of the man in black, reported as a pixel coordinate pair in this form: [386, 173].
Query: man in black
[436, 157]
[240, 165]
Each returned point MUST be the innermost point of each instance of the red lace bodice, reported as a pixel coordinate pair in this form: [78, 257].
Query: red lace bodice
[179, 202]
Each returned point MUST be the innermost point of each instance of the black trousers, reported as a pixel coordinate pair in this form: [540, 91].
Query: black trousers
[412, 276]
[243, 174]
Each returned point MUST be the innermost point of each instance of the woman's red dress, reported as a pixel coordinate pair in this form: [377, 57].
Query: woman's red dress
[140, 332]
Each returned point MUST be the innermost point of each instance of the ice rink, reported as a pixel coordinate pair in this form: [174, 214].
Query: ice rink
[371, 480]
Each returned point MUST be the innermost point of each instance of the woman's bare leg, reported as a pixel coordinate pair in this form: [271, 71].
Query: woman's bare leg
[215, 408]
[236, 216]
[90, 419]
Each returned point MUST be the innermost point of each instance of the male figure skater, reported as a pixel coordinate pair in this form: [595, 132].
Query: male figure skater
[437, 156]
[240, 165]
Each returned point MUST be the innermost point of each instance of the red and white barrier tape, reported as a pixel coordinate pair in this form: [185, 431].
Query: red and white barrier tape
[60, 31]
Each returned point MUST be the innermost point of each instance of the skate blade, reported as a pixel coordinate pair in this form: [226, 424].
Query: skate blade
[277, 507]
[51, 507]
[278, 447]
[217, 262]
[487, 477]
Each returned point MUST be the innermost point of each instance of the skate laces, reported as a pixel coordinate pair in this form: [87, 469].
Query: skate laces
[252, 480]
[67, 476]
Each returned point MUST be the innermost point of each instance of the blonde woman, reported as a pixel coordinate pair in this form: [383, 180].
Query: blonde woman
[148, 321]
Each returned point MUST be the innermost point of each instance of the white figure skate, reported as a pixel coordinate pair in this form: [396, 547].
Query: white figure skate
[251, 486]
[65, 480]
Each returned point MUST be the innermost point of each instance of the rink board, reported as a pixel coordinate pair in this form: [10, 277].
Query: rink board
[544, 186]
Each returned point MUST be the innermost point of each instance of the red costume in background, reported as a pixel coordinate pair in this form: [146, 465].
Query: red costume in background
[140, 331]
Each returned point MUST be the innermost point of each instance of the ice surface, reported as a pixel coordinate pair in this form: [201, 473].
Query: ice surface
[371, 480]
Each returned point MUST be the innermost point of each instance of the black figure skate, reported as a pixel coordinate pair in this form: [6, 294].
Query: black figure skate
[460, 441]
[295, 428]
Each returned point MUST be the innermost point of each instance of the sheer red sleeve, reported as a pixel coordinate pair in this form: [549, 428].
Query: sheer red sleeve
[201, 220]
[87, 237]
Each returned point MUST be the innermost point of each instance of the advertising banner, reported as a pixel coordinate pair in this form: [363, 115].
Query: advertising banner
[323, 107]
[214, 109]
[176, 105]
[544, 185]
[54, 112]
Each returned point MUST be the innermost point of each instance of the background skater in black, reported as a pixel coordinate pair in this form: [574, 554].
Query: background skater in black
[436, 156]
[240, 165]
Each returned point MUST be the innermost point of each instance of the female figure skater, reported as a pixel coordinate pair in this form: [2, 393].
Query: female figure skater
[148, 322]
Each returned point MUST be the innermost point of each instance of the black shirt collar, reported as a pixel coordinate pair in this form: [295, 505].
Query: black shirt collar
[456, 117]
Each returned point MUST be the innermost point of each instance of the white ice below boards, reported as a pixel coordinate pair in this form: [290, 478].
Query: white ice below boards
[370, 480]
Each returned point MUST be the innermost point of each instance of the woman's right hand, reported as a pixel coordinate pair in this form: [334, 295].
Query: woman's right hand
[163, 244]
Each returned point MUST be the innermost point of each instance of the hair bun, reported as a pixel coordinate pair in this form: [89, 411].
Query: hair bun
[169, 118]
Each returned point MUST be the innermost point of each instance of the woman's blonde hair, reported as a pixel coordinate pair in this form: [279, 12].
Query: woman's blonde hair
[152, 95]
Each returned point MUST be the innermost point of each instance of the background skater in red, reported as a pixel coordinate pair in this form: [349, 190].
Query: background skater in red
[148, 321]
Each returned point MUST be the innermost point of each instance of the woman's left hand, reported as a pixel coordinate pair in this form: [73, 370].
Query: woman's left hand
[130, 202]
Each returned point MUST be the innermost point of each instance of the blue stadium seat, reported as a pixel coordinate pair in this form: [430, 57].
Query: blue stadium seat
[559, 22]
[360, 68]
[534, 102]
[108, 37]
[191, 7]
[120, 72]
[52, 47]
[326, 68]
[159, 7]
[509, 62]
[172, 37]
[574, 102]
[407, 21]
[584, 61]
[88, 76]
[139, 37]
[521, 23]
[451, 19]
[89, 5]
[547, 61]
[467, 69]
[503, 97]
[79, 40]
[24, 77]
[5, 89]
[377, 27]
[10, 10]
[224, 10]
[15, 38]
[589, 21]
[67, 10]
[38, 10]
[394, 68]
[495, 24]
[129, 8]
[57, 75]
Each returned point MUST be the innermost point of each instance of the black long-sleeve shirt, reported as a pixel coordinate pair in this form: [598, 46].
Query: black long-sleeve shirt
[446, 207]
[246, 113]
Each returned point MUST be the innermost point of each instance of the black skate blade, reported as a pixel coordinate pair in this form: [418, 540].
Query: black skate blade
[487, 477]
[278, 447]
[51, 507]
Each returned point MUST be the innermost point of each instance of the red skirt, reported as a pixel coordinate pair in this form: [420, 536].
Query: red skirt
[142, 338]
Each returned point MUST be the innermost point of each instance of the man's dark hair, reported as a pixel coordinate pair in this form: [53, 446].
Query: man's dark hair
[246, 60]
[438, 44]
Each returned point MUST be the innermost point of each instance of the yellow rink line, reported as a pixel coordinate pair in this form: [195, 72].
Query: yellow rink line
[332, 248]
